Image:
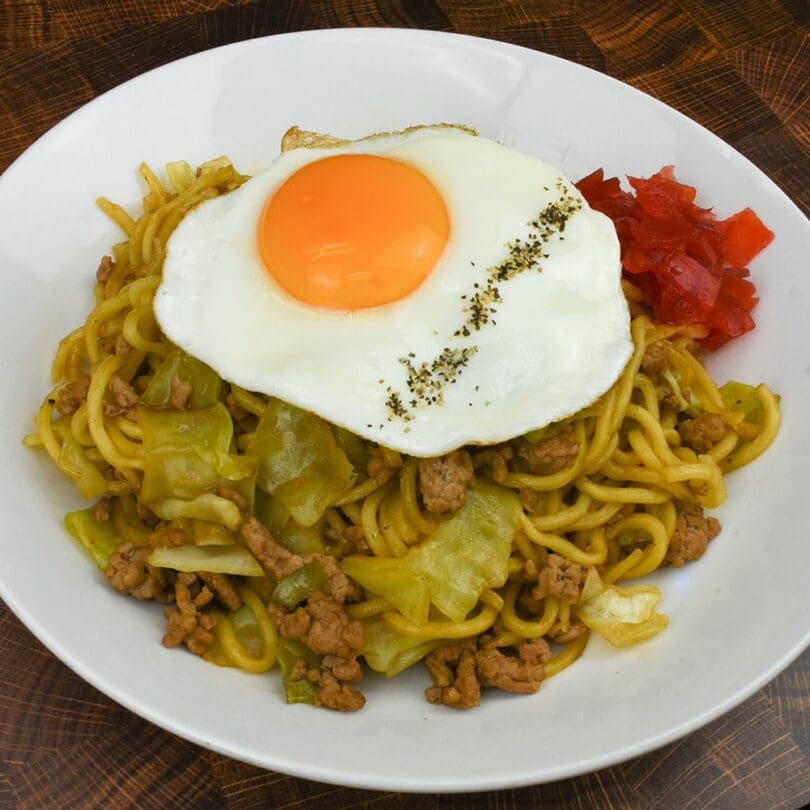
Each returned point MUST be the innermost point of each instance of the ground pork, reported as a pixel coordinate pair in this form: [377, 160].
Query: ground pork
[222, 588]
[377, 467]
[180, 393]
[273, 557]
[338, 696]
[105, 267]
[559, 578]
[146, 514]
[323, 626]
[186, 623]
[693, 533]
[124, 398]
[702, 432]
[356, 536]
[460, 670]
[169, 537]
[103, 509]
[338, 584]
[494, 462]
[129, 572]
[443, 481]
[224, 491]
[276, 560]
[455, 679]
[575, 630]
[522, 674]
[236, 411]
[72, 396]
[654, 360]
[551, 455]
[121, 345]
[333, 679]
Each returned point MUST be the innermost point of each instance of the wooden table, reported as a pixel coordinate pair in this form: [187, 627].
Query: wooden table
[739, 67]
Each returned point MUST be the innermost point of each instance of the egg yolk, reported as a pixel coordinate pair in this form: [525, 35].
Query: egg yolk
[353, 231]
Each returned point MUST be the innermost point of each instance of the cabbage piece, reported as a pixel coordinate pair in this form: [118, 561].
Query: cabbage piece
[78, 468]
[205, 533]
[208, 507]
[744, 399]
[467, 554]
[353, 446]
[407, 590]
[298, 586]
[385, 648]
[623, 616]
[234, 559]
[99, 537]
[288, 652]
[247, 631]
[300, 463]
[300, 539]
[188, 453]
[206, 384]
[271, 512]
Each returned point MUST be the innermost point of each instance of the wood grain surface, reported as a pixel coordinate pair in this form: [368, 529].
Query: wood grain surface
[739, 67]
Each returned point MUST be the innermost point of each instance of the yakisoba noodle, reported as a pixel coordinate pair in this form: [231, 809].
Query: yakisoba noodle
[613, 509]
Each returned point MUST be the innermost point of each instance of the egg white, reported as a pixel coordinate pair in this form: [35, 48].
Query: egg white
[560, 339]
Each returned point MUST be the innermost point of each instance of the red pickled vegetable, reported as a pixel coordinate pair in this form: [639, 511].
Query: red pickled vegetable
[691, 266]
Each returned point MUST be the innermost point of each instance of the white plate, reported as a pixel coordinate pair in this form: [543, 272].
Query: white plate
[737, 618]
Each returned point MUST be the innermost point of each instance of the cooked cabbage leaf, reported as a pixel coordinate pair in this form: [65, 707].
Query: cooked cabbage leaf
[188, 453]
[300, 463]
[744, 399]
[99, 537]
[234, 559]
[73, 461]
[208, 507]
[467, 554]
[288, 652]
[385, 648]
[623, 616]
[206, 384]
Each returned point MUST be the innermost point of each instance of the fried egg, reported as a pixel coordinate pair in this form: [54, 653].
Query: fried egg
[425, 290]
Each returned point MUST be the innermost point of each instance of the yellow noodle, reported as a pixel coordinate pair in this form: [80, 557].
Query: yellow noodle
[443, 629]
[559, 545]
[598, 518]
[572, 651]
[620, 568]
[371, 528]
[78, 426]
[369, 608]
[560, 518]
[117, 215]
[564, 616]
[67, 347]
[388, 526]
[770, 427]
[96, 421]
[609, 494]
[250, 402]
[358, 492]
[234, 649]
[654, 553]
[137, 338]
[527, 629]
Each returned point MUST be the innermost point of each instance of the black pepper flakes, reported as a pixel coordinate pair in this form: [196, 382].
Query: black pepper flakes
[427, 380]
